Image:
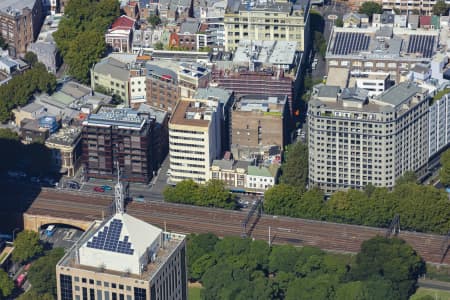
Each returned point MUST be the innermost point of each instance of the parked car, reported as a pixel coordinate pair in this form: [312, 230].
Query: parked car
[106, 187]
[99, 189]
[139, 198]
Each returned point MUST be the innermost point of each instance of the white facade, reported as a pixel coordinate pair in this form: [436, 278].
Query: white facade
[138, 90]
[439, 125]
[259, 182]
[194, 140]
[375, 83]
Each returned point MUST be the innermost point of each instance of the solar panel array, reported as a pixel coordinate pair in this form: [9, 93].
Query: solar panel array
[350, 42]
[421, 44]
[108, 239]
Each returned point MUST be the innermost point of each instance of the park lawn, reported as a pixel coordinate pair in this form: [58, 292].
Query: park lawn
[194, 293]
[436, 294]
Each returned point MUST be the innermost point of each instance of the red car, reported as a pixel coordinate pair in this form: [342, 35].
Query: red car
[99, 189]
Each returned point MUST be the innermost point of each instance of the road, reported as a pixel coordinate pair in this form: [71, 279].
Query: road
[191, 219]
[434, 284]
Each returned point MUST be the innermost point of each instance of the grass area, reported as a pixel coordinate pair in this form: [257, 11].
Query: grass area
[441, 273]
[436, 294]
[194, 293]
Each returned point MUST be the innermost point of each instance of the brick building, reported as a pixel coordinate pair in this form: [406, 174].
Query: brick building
[20, 23]
[118, 135]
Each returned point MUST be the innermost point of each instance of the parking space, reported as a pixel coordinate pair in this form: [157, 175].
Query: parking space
[63, 237]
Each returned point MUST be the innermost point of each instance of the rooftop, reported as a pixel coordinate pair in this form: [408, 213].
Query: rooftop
[267, 7]
[123, 23]
[259, 103]
[189, 27]
[15, 7]
[65, 136]
[222, 95]
[400, 93]
[112, 67]
[192, 113]
[158, 114]
[259, 171]
[383, 43]
[266, 52]
[121, 117]
[123, 246]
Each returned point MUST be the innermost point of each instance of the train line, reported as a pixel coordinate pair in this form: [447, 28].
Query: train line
[191, 219]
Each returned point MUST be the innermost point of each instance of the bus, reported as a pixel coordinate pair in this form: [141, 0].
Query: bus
[21, 279]
[50, 230]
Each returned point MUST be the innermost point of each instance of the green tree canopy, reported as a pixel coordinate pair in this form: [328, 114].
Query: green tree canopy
[33, 295]
[281, 199]
[369, 8]
[339, 22]
[8, 134]
[154, 20]
[42, 273]
[213, 193]
[407, 177]
[26, 246]
[31, 58]
[444, 172]
[389, 259]
[440, 8]
[294, 170]
[80, 35]
[6, 285]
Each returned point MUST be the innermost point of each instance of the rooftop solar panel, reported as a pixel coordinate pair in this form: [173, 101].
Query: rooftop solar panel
[423, 44]
[108, 239]
[350, 42]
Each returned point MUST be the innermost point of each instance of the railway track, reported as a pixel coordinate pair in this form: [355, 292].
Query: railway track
[191, 219]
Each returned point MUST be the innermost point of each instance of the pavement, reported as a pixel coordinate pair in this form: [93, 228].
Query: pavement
[434, 284]
[63, 237]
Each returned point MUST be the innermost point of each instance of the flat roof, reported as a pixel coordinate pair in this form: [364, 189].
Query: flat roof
[65, 136]
[123, 117]
[273, 52]
[187, 114]
[337, 76]
[400, 93]
[5, 5]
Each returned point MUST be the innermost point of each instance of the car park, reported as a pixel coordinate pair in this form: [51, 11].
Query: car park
[99, 189]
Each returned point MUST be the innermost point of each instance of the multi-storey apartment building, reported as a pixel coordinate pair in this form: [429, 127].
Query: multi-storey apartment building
[267, 21]
[124, 258]
[439, 124]
[121, 136]
[386, 49]
[20, 23]
[194, 140]
[162, 85]
[355, 141]
[408, 6]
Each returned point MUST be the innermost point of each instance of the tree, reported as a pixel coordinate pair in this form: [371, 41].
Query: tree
[154, 20]
[6, 285]
[294, 170]
[444, 172]
[339, 22]
[389, 259]
[214, 194]
[85, 50]
[33, 295]
[26, 246]
[281, 199]
[159, 46]
[31, 58]
[6, 133]
[440, 8]
[320, 44]
[283, 258]
[407, 177]
[42, 273]
[369, 8]
[186, 191]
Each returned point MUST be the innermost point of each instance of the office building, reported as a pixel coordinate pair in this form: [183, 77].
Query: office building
[266, 21]
[121, 136]
[194, 140]
[355, 141]
[258, 122]
[124, 258]
[20, 23]
[192, 76]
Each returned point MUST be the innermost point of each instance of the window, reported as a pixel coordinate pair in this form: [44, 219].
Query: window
[140, 294]
[91, 281]
[85, 297]
[66, 287]
[83, 280]
[92, 294]
[113, 285]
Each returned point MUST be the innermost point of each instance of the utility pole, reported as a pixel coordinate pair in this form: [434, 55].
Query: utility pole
[270, 241]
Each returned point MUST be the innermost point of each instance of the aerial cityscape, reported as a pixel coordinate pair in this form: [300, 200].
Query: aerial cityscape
[224, 149]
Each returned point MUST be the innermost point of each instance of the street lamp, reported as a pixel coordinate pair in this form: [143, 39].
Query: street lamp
[13, 233]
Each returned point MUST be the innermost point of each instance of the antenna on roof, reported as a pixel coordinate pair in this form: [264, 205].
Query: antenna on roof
[118, 195]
